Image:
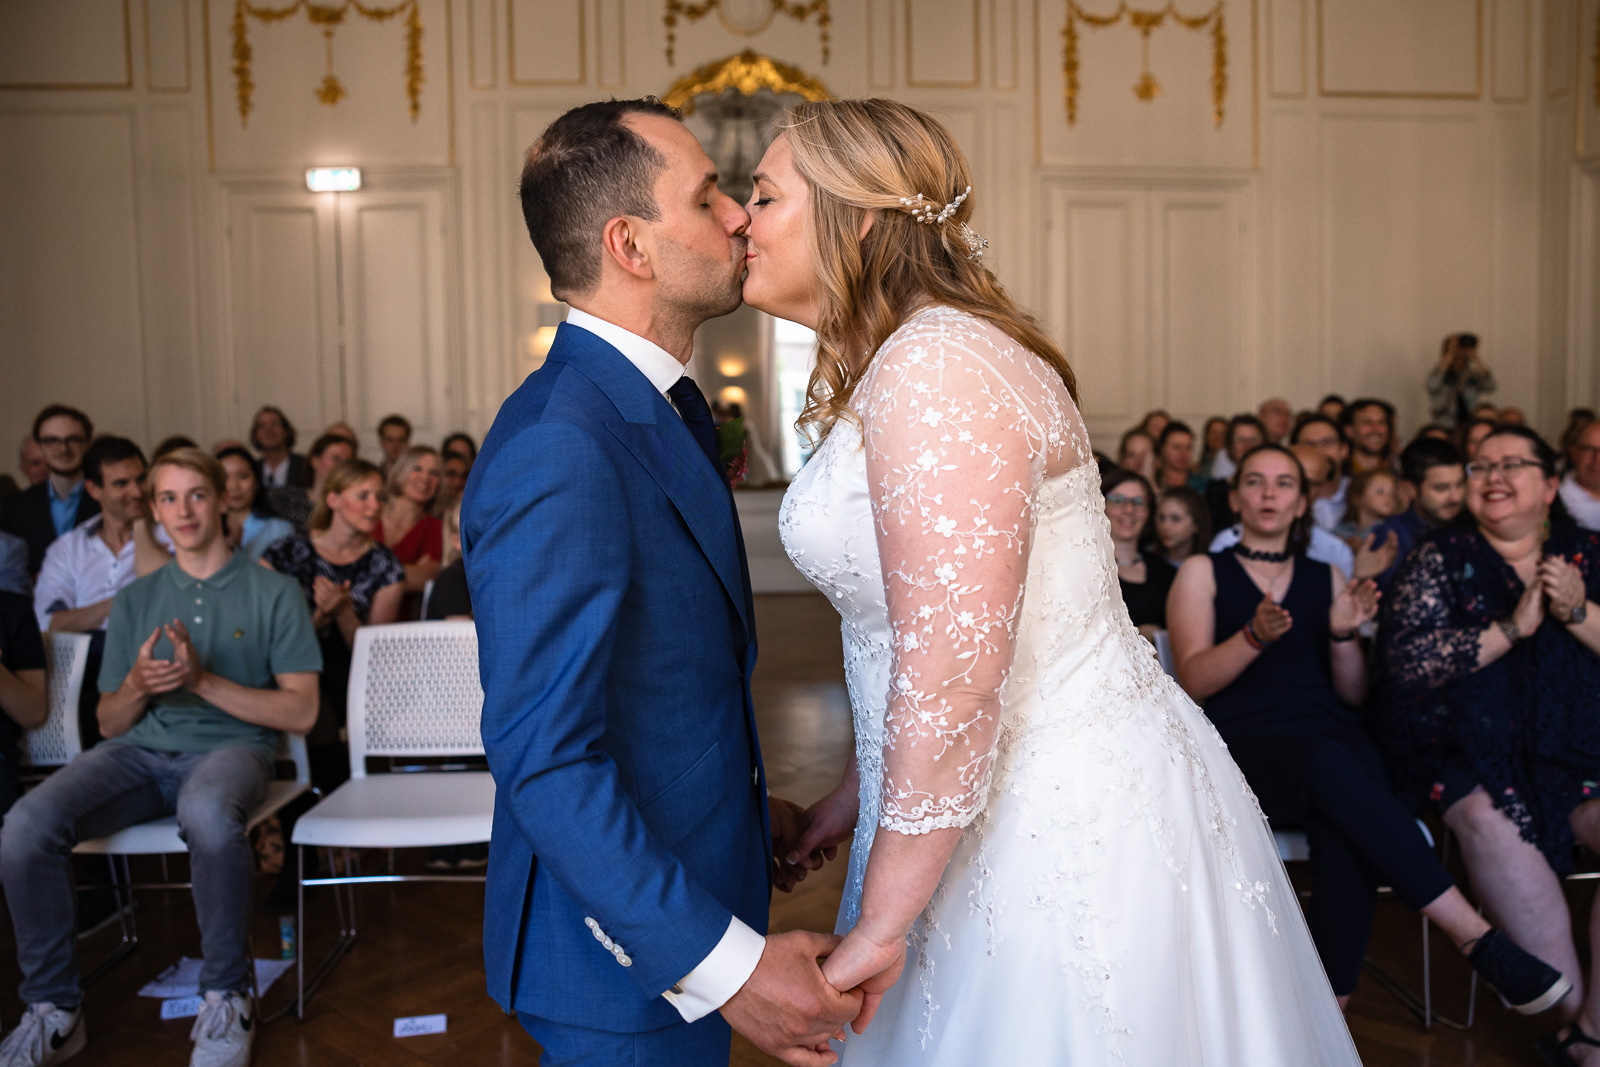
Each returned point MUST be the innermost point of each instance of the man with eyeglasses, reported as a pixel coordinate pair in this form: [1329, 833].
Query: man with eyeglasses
[1327, 496]
[1580, 489]
[44, 512]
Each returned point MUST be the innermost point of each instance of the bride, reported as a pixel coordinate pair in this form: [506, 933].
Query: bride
[1038, 812]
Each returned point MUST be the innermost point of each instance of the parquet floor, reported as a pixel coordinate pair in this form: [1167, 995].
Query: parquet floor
[420, 946]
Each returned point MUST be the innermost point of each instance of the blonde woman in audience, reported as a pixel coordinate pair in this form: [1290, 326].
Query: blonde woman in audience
[1183, 523]
[407, 526]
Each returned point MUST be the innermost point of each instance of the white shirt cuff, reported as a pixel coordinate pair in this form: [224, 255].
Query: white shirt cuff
[720, 975]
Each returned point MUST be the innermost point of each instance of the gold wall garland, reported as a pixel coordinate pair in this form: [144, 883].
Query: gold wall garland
[747, 72]
[694, 12]
[1146, 22]
[329, 17]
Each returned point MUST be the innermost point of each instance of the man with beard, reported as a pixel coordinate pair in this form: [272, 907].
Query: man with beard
[1369, 427]
[1437, 476]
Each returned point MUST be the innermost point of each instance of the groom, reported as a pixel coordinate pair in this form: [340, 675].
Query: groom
[632, 855]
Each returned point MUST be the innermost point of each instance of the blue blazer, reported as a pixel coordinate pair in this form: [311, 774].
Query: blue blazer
[615, 642]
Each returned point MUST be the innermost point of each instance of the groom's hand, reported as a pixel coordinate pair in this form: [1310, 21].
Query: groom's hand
[788, 826]
[787, 1009]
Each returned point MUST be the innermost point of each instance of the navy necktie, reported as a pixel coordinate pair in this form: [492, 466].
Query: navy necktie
[696, 414]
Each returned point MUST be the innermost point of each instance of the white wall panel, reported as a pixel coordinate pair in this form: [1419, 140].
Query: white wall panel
[1424, 48]
[166, 45]
[66, 44]
[1509, 47]
[882, 44]
[943, 43]
[483, 54]
[548, 42]
[70, 326]
[1197, 302]
[1288, 50]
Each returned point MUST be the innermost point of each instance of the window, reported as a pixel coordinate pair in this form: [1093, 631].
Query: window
[794, 353]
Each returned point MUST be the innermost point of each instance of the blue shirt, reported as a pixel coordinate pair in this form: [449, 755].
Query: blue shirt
[260, 532]
[1408, 527]
[63, 510]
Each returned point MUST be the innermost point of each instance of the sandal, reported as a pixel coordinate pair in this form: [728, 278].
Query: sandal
[1553, 1049]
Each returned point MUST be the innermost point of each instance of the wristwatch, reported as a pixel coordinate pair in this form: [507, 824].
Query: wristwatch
[1579, 613]
[1510, 629]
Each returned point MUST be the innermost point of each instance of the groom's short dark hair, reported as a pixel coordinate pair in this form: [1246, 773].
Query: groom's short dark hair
[588, 167]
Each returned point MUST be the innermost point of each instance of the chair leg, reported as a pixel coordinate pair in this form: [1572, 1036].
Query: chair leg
[1427, 979]
[307, 987]
[122, 892]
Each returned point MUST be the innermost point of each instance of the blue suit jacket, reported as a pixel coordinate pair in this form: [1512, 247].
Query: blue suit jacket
[616, 641]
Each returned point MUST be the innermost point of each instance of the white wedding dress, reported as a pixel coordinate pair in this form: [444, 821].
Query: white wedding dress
[1116, 896]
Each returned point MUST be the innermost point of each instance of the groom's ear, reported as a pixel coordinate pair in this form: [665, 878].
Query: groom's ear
[620, 242]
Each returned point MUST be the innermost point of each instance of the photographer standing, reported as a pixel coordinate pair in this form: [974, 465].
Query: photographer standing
[1460, 382]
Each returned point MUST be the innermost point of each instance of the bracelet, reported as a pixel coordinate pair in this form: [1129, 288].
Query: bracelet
[1339, 638]
[1251, 637]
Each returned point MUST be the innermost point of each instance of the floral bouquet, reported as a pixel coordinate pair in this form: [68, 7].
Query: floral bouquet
[733, 452]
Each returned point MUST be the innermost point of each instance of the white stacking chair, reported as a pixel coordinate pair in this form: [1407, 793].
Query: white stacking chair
[55, 742]
[414, 692]
[1164, 654]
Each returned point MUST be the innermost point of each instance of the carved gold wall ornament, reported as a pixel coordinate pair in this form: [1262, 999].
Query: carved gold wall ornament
[1146, 22]
[693, 12]
[746, 72]
[329, 17]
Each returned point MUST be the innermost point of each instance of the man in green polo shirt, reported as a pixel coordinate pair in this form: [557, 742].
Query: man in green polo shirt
[206, 661]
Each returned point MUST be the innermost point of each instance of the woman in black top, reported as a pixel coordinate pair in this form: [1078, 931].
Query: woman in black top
[23, 705]
[1142, 572]
[1267, 639]
[450, 598]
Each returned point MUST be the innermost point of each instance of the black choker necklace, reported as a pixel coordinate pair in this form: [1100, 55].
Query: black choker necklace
[1263, 557]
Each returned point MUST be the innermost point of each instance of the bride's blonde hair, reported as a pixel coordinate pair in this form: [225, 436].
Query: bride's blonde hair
[864, 156]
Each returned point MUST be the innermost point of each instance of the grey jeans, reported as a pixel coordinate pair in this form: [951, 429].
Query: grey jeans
[105, 789]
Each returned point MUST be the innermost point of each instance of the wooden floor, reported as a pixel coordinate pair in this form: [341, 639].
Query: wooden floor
[420, 946]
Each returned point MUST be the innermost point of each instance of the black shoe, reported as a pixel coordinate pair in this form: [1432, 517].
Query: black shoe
[1526, 983]
[1553, 1047]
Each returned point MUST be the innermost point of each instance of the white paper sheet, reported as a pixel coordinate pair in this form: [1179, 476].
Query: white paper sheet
[182, 979]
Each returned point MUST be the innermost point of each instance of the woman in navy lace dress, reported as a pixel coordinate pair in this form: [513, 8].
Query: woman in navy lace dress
[1491, 683]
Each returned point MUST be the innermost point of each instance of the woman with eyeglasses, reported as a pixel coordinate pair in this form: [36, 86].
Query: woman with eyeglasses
[1266, 637]
[1142, 572]
[1488, 649]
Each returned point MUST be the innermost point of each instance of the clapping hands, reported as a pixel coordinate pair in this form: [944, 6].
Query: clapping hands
[1356, 603]
[1561, 582]
[151, 676]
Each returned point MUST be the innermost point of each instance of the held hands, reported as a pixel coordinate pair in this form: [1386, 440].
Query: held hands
[1356, 603]
[869, 964]
[787, 1008]
[818, 833]
[1561, 582]
[1271, 620]
[1373, 559]
[151, 676]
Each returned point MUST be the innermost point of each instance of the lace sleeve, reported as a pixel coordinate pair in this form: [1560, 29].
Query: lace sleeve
[1421, 647]
[951, 461]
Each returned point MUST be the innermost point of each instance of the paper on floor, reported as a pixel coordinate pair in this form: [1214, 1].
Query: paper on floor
[182, 979]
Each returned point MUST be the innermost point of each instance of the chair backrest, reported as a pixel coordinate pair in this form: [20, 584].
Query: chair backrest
[1164, 653]
[414, 691]
[292, 747]
[427, 595]
[56, 742]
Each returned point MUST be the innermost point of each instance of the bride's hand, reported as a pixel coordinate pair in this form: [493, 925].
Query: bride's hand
[871, 964]
[826, 825]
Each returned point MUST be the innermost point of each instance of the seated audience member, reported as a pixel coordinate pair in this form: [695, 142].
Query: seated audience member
[1578, 420]
[1459, 381]
[394, 434]
[408, 526]
[250, 527]
[1175, 458]
[1437, 483]
[1328, 498]
[452, 482]
[14, 577]
[23, 701]
[30, 460]
[349, 579]
[1142, 573]
[1487, 412]
[346, 431]
[172, 444]
[1213, 440]
[1154, 422]
[1489, 662]
[1183, 523]
[1331, 406]
[1369, 428]
[1277, 416]
[207, 660]
[1266, 637]
[1513, 416]
[44, 512]
[1472, 435]
[272, 435]
[1244, 433]
[1580, 489]
[450, 598]
[1435, 431]
[295, 503]
[1137, 453]
[459, 444]
[1374, 498]
[87, 567]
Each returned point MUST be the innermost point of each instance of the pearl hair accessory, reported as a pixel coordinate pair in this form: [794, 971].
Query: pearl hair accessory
[922, 209]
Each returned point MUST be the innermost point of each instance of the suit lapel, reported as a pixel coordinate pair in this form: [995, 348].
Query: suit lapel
[656, 436]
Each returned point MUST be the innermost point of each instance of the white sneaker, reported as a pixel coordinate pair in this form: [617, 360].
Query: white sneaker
[46, 1035]
[223, 1032]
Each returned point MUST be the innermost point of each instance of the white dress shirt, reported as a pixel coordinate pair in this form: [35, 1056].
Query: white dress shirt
[274, 475]
[1328, 512]
[731, 963]
[1583, 505]
[79, 570]
[1325, 547]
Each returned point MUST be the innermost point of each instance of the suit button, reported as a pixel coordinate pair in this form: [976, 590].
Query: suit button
[590, 923]
[625, 960]
[599, 934]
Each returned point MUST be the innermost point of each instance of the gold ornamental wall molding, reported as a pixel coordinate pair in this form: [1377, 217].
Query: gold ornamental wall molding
[746, 72]
[1146, 22]
[329, 17]
[694, 12]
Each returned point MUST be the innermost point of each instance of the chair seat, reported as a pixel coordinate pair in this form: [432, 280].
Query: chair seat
[160, 836]
[402, 811]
